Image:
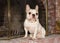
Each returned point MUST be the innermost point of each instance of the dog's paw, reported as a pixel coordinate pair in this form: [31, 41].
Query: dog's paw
[25, 37]
[34, 38]
[31, 35]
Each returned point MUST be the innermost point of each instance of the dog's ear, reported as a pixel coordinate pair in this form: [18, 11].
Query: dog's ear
[36, 7]
[27, 7]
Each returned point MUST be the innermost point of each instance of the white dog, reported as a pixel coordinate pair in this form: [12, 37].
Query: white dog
[32, 24]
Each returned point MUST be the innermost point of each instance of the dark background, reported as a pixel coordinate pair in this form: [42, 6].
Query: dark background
[17, 10]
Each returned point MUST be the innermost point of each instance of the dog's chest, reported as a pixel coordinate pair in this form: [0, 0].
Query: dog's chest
[30, 26]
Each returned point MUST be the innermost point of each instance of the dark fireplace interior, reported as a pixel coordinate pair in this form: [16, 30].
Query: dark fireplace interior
[18, 15]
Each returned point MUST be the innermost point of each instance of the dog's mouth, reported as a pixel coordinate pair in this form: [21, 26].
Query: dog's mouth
[32, 20]
[33, 17]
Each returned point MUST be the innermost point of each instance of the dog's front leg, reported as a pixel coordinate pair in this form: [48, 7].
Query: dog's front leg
[35, 33]
[26, 32]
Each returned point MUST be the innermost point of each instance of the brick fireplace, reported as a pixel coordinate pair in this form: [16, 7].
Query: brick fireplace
[17, 15]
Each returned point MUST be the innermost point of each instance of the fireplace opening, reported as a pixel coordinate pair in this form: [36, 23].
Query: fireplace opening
[18, 15]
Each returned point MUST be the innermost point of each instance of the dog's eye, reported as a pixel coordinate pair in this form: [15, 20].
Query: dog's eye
[36, 13]
[29, 13]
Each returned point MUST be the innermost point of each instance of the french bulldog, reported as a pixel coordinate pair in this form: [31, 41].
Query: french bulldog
[32, 24]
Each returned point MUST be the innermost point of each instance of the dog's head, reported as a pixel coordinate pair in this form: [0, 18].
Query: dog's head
[32, 14]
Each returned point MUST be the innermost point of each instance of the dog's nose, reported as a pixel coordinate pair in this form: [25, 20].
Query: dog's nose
[33, 15]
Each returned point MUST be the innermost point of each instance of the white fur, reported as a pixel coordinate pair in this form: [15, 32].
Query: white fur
[32, 24]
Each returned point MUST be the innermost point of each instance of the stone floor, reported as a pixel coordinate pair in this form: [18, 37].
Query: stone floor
[48, 39]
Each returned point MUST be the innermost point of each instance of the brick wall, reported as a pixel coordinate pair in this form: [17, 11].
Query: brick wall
[51, 15]
[57, 9]
[57, 16]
